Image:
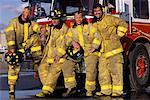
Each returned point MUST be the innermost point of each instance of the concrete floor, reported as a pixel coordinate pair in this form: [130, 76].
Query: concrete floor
[29, 95]
[26, 89]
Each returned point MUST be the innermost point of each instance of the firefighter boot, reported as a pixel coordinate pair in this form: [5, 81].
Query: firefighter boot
[40, 95]
[117, 94]
[69, 92]
[43, 94]
[11, 97]
[89, 94]
[101, 94]
[11, 91]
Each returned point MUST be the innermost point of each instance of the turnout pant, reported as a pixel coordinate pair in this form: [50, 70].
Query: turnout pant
[49, 74]
[91, 72]
[33, 43]
[111, 74]
[68, 70]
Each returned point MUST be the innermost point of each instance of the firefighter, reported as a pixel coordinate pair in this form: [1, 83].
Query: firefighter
[43, 35]
[20, 37]
[85, 36]
[54, 55]
[111, 61]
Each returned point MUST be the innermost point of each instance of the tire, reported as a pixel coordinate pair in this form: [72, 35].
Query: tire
[24, 0]
[139, 66]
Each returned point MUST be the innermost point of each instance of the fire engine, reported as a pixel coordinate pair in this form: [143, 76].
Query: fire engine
[136, 42]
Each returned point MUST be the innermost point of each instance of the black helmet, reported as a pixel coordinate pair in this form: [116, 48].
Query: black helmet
[14, 58]
[75, 56]
[55, 14]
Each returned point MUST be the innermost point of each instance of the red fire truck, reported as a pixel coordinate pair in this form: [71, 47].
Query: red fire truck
[136, 42]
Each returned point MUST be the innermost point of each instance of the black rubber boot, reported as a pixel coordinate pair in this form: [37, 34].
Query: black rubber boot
[69, 92]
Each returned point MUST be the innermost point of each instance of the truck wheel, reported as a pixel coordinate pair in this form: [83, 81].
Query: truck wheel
[24, 0]
[139, 67]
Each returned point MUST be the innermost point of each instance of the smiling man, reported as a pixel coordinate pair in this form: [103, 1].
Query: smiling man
[21, 38]
[111, 61]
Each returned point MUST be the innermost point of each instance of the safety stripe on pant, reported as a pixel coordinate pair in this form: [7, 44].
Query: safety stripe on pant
[47, 88]
[10, 77]
[90, 82]
[51, 60]
[117, 88]
[106, 87]
[69, 79]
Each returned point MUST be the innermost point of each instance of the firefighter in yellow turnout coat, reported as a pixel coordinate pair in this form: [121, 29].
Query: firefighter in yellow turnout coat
[111, 61]
[20, 36]
[54, 56]
[88, 38]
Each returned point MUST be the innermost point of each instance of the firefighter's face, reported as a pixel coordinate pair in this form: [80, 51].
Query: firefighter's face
[55, 22]
[98, 12]
[78, 18]
[25, 14]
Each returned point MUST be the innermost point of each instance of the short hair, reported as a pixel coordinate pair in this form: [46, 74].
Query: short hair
[27, 7]
[78, 12]
[97, 5]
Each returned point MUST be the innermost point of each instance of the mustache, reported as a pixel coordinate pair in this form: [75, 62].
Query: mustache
[98, 13]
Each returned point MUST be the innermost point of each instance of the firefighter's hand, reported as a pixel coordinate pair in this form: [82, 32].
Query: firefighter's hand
[36, 72]
[76, 46]
[56, 59]
[36, 75]
[12, 50]
[91, 50]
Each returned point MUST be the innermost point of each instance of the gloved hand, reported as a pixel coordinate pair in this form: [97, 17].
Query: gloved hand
[11, 50]
[36, 76]
[28, 53]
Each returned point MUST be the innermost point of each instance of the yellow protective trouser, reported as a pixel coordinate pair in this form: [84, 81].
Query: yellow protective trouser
[13, 73]
[111, 74]
[33, 41]
[68, 70]
[91, 72]
[43, 71]
[49, 75]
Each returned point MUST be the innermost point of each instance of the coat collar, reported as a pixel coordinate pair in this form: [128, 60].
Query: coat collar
[98, 19]
[22, 22]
